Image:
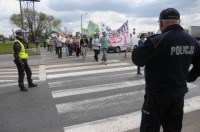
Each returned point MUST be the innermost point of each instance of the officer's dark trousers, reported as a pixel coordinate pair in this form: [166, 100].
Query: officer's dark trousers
[21, 73]
[162, 111]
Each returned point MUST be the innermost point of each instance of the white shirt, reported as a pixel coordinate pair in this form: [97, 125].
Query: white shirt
[95, 43]
[130, 44]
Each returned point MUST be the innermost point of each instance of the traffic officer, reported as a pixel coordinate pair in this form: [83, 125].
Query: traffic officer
[20, 59]
[167, 58]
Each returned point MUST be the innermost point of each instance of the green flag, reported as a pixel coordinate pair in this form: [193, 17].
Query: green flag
[91, 33]
[55, 29]
[84, 31]
[62, 33]
[93, 27]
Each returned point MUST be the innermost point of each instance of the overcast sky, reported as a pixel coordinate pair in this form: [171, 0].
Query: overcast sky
[141, 14]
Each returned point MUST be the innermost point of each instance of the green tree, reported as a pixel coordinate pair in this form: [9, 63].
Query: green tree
[36, 23]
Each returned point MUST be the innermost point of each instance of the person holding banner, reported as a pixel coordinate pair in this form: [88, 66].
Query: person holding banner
[95, 44]
[84, 46]
[104, 40]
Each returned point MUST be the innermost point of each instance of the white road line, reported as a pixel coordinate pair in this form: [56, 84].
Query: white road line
[124, 122]
[89, 72]
[7, 76]
[85, 67]
[59, 83]
[6, 81]
[96, 88]
[77, 64]
[15, 83]
[98, 103]
[42, 73]
[34, 72]
[8, 69]
[91, 78]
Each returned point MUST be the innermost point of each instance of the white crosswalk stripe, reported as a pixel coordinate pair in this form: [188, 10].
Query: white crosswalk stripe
[124, 122]
[9, 76]
[111, 99]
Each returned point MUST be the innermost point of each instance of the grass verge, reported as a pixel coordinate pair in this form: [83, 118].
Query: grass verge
[7, 49]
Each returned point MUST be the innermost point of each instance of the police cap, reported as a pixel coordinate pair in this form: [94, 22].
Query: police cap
[19, 32]
[169, 13]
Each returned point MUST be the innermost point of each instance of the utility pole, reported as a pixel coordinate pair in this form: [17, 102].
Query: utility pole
[82, 20]
[21, 14]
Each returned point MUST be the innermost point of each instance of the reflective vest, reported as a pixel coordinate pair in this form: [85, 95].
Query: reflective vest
[22, 53]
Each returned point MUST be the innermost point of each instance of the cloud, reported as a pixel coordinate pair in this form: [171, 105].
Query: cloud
[136, 8]
[142, 14]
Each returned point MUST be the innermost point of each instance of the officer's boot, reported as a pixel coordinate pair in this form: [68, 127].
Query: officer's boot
[31, 84]
[22, 88]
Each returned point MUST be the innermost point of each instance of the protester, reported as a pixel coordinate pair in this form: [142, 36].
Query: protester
[140, 43]
[51, 45]
[167, 58]
[128, 45]
[95, 44]
[20, 59]
[77, 41]
[59, 49]
[84, 47]
[70, 45]
[37, 44]
[48, 44]
[104, 40]
[55, 41]
[74, 44]
[45, 42]
[66, 46]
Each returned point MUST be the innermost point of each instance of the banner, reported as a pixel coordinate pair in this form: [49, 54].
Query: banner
[119, 36]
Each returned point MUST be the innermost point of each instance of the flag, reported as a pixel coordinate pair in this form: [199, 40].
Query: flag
[55, 29]
[93, 27]
[84, 31]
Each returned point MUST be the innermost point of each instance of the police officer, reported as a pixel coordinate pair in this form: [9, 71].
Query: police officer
[20, 59]
[167, 58]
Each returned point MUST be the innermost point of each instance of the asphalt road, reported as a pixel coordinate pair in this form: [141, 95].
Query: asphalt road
[74, 96]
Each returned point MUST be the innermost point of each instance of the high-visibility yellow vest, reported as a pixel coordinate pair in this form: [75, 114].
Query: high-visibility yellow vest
[22, 53]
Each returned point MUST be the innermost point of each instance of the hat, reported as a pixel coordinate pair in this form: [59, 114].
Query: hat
[169, 13]
[19, 32]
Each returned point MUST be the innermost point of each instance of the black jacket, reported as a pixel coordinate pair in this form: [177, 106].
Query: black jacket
[82, 42]
[167, 58]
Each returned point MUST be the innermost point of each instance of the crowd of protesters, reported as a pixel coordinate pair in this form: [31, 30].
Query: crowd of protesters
[78, 45]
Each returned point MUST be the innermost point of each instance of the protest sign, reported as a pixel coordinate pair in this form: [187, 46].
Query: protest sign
[119, 36]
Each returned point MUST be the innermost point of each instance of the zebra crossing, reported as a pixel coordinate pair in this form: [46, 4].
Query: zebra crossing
[92, 97]
[9, 76]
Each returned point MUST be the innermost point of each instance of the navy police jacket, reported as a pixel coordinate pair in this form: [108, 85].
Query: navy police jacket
[167, 59]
